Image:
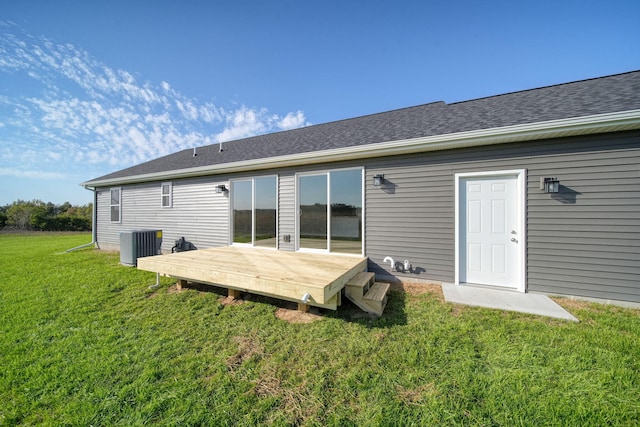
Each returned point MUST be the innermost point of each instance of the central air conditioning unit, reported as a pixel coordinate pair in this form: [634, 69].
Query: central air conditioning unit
[138, 244]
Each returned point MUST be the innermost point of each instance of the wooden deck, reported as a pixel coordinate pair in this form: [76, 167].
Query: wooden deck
[278, 274]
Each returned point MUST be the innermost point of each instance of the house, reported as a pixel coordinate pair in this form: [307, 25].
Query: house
[535, 191]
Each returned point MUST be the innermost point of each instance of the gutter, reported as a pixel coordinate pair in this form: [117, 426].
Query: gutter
[94, 220]
[586, 125]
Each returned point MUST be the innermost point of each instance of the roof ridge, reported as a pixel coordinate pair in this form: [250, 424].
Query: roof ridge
[443, 103]
[543, 87]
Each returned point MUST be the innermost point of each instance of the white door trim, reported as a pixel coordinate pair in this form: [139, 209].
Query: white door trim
[521, 175]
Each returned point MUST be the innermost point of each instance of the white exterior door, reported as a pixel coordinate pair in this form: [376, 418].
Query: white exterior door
[491, 235]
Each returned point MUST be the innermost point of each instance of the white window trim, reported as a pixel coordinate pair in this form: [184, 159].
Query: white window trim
[327, 173]
[170, 195]
[521, 185]
[119, 205]
[253, 212]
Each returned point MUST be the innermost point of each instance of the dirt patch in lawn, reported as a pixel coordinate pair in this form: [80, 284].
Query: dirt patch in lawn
[411, 288]
[572, 304]
[248, 347]
[458, 309]
[230, 301]
[416, 396]
[173, 289]
[296, 316]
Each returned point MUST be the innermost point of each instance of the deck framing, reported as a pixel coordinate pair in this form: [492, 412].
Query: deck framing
[278, 274]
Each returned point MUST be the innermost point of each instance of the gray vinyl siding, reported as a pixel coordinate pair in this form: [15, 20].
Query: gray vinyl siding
[586, 240]
[583, 241]
[411, 217]
[287, 211]
[198, 213]
[106, 232]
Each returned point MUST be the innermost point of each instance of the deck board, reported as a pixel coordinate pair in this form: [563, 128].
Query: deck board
[280, 274]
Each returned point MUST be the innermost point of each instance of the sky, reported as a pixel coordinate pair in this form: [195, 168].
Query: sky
[91, 87]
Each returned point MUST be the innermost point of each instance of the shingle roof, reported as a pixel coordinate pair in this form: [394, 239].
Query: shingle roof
[616, 93]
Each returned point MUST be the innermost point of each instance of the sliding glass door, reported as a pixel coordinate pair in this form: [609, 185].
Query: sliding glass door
[254, 211]
[330, 211]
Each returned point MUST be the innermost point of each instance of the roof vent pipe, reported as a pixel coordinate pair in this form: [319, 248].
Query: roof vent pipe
[221, 149]
[194, 152]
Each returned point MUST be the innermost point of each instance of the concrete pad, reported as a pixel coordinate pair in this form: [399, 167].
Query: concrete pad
[505, 300]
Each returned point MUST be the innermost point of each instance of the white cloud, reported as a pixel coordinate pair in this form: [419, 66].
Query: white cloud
[243, 123]
[292, 121]
[188, 110]
[78, 114]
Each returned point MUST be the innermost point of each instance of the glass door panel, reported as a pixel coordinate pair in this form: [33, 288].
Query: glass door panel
[312, 208]
[346, 211]
[242, 211]
[265, 212]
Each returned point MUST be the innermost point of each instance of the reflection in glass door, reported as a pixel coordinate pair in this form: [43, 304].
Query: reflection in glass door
[330, 211]
[312, 211]
[254, 211]
[266, 197]
[346, 211]
[241, 199]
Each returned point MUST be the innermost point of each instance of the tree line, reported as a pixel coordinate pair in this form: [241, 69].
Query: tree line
[36, 215]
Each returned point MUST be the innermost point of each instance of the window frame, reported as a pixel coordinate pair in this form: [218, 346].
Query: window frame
[118, 205]
[169, 195]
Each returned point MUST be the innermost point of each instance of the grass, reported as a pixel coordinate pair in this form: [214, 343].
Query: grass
[83, 341]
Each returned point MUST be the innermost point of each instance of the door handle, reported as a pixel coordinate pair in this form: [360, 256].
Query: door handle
[513, 239]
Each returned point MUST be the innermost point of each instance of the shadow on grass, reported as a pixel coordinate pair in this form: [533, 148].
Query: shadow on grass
[394, 313]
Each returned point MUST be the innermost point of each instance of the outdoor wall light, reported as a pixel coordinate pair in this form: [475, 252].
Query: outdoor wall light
[550, 185]
[378, 180]
[221, 188]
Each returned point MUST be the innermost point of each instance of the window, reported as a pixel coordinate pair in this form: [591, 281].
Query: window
[115, 204]
[166, 191]
[330, 211]
[254, 211]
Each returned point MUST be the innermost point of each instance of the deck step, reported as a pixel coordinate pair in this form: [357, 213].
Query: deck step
[359, 284]
[377, 297]
[367, 294]
[377, 292]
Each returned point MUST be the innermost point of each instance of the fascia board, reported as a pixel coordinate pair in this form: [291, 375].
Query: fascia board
[601, 123]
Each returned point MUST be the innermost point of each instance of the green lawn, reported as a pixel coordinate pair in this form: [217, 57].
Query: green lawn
[83, 341]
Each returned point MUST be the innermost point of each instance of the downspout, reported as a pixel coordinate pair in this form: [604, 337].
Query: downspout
[94, 220]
